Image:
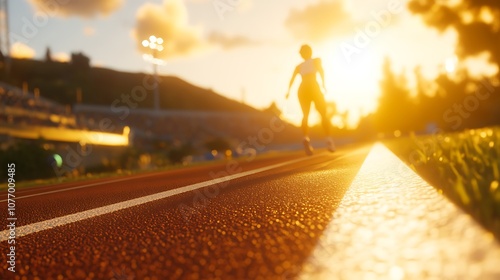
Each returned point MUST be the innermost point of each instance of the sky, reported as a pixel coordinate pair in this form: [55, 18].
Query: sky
[243, 49]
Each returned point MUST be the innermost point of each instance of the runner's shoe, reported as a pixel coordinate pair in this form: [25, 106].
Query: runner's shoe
[307, 147]
[330, 145]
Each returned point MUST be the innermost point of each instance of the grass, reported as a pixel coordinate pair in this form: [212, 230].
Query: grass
[465, 166]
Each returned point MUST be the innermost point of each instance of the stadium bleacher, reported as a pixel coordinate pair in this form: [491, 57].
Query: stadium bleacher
[20, 107]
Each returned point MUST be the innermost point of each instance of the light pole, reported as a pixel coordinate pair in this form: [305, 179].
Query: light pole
[155, 44]
[5, 34]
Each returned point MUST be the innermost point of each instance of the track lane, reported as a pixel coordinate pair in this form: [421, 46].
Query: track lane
[43, 204]
[259, 226]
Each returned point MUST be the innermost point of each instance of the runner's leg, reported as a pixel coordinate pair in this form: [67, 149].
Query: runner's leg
[305, 105]
[320, 104]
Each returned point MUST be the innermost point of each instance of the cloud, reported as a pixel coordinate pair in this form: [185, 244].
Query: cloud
[321, 21]
[20, 50]
[239, 5]
[169, 21]
[229, 42]
[82, 8]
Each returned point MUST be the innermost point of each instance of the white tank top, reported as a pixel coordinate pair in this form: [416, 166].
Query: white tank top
[308, 67]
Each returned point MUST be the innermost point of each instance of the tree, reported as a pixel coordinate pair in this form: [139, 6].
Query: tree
[428, 107]
[218, 144]
[48, 55]
[32, 160]
[396, 109]
[273, 110]
[177, 154]
[477, 23]
[80, 61]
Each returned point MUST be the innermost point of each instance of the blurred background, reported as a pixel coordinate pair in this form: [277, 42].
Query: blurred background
[113, 85]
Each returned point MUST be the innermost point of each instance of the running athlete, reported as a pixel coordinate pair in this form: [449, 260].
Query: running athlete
[309, 92]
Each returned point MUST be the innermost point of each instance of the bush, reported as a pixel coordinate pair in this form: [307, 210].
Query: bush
[31, 159]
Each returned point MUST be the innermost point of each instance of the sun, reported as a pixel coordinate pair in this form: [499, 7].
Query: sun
[353, 84]
[450, 64]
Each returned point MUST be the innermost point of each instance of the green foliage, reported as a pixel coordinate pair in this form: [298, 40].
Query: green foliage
[128, 159]
[396, 108]
[464, 166]
[475, 35]
[273, 110]
[448, 102]
[31, 159]
[177, 154]
[101, 168]
[217, 144]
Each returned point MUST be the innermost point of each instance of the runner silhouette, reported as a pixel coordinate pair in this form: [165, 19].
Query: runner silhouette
[309, 92]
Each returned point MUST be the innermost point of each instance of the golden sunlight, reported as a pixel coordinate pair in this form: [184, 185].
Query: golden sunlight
[352, 85]
[450, 64]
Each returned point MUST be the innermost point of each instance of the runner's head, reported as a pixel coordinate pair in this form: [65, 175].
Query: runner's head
[306, 51]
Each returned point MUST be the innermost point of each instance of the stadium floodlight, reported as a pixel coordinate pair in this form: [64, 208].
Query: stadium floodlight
[155, 45]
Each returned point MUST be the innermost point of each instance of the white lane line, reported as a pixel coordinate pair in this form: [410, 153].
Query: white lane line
[391, 224]
[64, 220]
[91, 185]
[83, 186]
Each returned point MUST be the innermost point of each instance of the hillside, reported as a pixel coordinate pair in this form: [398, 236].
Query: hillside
[99, 86]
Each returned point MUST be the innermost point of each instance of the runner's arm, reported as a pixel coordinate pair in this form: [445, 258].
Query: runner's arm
[295, 73]
[321, 72]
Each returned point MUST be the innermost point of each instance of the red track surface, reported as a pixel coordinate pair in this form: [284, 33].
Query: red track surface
[261, 226]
